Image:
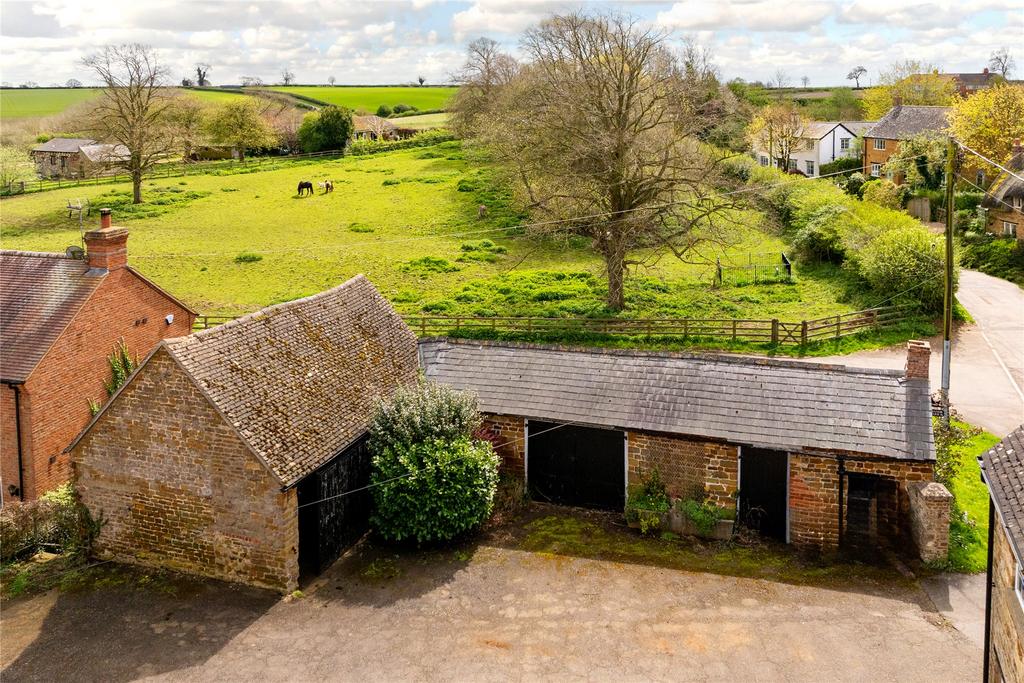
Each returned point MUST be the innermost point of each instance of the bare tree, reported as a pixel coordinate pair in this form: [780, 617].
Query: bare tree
[600, 131]
[781, 79]
[421, 80]
[185, 120]
[202, 72]
[73, 83]
[287, 77]
[131, 109]
[251, 81]
[486, 72]
[331, 80]
[777, 129]
[856, 73]
[804, 80]
[29, 84]
[1001, 62]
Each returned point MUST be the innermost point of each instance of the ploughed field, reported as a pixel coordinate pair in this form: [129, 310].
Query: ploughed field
[233, 242]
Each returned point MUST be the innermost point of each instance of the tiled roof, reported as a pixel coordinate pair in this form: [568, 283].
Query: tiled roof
[40, 294]
[759, 402]
[906, 121]
[371, 123]
[63, 145]
[103, 153]
[1004, 473]
[816, 130]
[858, 127]
[298, 381]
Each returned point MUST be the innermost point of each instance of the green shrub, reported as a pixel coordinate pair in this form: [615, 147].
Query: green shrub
[854, 184]
[821, 238]
[839, 165]
[703, 514]
[967, 201]
[428, 264]
[384, 111]
[884, 193]
[404, 108]
[54, 522]
[391, 181]
[327, 129]
[910, 260]
[431, 481]
[646, 503]
[1000, 257]
[424, 139]
[248, 257]
[359, 227]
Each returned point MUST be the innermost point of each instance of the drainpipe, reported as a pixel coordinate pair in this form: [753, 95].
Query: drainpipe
[15, 386]
[842, 472]
[988, 589]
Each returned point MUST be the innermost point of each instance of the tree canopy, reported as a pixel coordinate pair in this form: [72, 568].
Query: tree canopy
[240, 124]
[990, 120]
[329, 128]
[912, 82]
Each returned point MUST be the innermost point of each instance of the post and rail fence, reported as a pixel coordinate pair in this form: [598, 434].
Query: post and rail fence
[772, 332]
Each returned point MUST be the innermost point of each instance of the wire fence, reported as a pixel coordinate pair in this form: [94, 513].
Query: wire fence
[759, 268]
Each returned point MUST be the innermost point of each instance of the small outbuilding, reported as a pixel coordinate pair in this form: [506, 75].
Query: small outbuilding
[232, 452]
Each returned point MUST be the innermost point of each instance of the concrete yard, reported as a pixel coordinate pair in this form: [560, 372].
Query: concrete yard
[495, 611]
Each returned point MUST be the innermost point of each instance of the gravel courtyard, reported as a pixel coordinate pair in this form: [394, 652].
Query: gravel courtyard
[506, 608]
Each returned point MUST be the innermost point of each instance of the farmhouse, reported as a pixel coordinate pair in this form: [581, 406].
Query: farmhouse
[822, 142]
[1003, 472]
[1004, 202]
[902, 122]
[61, 316]
[819, 456]
[221, 454]
[76, 157]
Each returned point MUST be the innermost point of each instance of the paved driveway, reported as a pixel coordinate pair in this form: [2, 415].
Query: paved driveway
[493, 613]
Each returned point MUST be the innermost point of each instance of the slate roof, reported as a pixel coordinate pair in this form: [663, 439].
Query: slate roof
[1004, 474]
[40, 294]
[906, 121]
[758, 402]
[298, 381]
[105, 152]
[67, 145]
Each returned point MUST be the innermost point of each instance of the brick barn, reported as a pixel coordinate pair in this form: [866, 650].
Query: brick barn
[1003, 472]
[61, 317]
[216, 454]
[815, 455]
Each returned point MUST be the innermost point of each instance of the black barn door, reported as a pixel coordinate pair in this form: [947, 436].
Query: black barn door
[763, 490]
[572, 465]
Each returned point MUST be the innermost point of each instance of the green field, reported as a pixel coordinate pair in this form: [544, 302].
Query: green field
[422, 122]
[369, 98]
[30, 102]
[213, 96]
[408, 220]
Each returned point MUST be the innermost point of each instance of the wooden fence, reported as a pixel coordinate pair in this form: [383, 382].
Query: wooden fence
[759, 331]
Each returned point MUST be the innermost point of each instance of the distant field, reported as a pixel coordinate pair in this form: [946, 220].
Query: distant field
[422, 122]
[214, 96]
[369, 98]
[28, 102]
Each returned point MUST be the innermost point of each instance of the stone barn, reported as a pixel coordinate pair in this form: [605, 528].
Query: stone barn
[224, 453]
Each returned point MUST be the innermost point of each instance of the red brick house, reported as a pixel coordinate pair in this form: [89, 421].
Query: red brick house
[900, 123]
[61, 317]
[225, 453]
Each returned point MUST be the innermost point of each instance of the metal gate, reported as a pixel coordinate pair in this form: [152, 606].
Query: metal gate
[764, 486]
[330, 518]
[572, 465]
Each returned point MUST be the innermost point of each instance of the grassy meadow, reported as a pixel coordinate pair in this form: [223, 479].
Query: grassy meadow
[236, 242]
[31, 102]
[369, 98]
[422, 121]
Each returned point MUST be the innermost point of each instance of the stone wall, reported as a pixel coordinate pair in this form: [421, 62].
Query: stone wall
[1007, 653]
[929, 519]
[689, 468]
[508, 433]
[177, 488]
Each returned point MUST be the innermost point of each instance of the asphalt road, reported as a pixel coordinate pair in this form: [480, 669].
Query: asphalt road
[987, 368]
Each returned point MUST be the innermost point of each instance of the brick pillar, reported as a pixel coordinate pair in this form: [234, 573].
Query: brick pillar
[929, 519]
[918, 355]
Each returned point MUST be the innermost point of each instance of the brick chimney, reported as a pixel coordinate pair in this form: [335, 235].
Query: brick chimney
[107, 248]
[918, 354]
[985, 71]
[897, 101]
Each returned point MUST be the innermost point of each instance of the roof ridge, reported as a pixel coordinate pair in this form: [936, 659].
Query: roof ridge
[36, 254]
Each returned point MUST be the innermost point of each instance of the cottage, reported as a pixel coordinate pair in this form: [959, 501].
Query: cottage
[373, 128]
[61, 316]
[1004, 202]
[900, 123]
[76, 157]
[967, 84]
[1003, 472]
[230, 453]
[820, 456]
[822, 142]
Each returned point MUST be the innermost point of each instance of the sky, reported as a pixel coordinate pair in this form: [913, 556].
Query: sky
[395, 41]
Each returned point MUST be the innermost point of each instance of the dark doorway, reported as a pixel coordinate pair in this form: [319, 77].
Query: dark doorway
[861, 530]
[763, 491]
[572, 465]
[330, 518]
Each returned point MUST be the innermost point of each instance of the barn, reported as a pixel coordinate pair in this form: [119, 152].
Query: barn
[225, 452]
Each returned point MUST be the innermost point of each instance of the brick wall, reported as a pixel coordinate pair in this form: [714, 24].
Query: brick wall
[929, 519]
[877, 156]
[1007, 653]
[509, 432]
[178, 489]
[814, 496]
[689, 468]
[55, 399]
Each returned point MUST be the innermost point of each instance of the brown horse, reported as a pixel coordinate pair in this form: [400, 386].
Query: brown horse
[305, 185]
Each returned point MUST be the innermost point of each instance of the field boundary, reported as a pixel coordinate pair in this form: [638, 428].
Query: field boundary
[771, 332]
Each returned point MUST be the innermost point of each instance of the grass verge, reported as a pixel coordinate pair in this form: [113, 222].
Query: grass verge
[968, 523]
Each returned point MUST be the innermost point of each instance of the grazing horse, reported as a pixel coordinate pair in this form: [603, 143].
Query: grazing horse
[305, 185]
[326, 186]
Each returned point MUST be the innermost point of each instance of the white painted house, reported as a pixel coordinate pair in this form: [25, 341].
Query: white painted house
[824, 142]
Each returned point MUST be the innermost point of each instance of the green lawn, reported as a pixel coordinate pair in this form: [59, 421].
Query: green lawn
[422, 121]
[29, 102]
[369, 98]
[968, 530]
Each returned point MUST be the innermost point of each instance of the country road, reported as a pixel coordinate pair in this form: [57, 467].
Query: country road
[987, 370]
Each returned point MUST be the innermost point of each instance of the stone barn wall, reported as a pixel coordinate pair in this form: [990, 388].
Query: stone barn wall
[1006, 657]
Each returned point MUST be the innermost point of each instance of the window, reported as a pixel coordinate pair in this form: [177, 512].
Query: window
[53, 160]
[879, 143]
[1018, 585]
[792, 164]
[810, 167]
[63, 163]
[1009, 229]
[1018, 202]
[764, 160]
[876, 170]
[844, 143]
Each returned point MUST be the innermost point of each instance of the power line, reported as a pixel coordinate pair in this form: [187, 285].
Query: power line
[985, 158]
[989, 194]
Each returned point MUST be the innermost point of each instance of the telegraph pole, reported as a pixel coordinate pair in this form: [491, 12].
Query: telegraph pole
[947, 312]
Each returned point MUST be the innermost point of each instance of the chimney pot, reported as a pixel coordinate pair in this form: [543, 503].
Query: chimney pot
[104, 218]
[919, 354]
[106, 248]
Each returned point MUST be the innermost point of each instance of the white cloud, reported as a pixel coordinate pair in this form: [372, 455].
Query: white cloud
[764, 15]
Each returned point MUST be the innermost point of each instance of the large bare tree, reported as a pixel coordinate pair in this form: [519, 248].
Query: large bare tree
[778, 129]
[131, 110]
[486, 72]
[601, 131]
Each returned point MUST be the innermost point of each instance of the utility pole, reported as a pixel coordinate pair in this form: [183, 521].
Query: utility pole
[947, 308]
